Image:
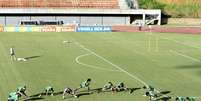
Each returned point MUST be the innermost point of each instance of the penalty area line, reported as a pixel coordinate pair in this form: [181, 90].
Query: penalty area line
[116, 66]
[109, 62]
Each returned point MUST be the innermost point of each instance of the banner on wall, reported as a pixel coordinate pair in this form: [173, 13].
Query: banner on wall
[35, 29]
[9, 29]
[94, 29]
[70, 28]
[58, 29]
[1, 29]
[48, 29]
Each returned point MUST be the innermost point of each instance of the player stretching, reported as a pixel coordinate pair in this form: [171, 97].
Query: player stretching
[121, 86]
[85, 84]
[13, 96]
[190, 99]
[21, 90]
[48, 90]
[12, 54]
[107, 87]
[68, 91]
[151, 93]
[180, 99]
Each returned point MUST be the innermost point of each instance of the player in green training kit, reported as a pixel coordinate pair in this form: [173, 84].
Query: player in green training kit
[85, 84]
[107, 87]
[180, 99]
[48, 90]
[121, 86]
[13, 96]
[190, 99]
[150, 92]
[21, 90]
[68, 91]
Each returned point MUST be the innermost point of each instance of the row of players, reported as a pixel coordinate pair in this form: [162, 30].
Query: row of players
[150, 92]
[49, 90]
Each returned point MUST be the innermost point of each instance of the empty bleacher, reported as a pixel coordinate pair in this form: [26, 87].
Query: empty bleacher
[59, 3]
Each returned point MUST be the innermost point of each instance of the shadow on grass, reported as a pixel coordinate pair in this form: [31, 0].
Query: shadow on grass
[193, 66]
[32, 57]
[83, 94]
[165, 92]
[33, 99]
[133, 89]
[163, 99]
[162, 93]
[58, 93]
[35, 95]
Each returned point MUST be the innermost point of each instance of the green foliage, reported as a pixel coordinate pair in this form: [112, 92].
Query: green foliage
[186, 10]
[151, 4]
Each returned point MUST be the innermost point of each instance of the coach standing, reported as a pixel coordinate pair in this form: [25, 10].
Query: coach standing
[12, 54]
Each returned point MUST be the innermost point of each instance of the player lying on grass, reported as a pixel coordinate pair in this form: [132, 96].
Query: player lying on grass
[85, 84]
[68, 90]
[21, 90]
[13, 96]
[48, 90]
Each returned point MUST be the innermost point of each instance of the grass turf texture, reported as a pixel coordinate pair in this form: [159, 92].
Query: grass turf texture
[174, 65]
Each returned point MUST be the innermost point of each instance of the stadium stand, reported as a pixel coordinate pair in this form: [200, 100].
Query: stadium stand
[75, 12]
[60, 3]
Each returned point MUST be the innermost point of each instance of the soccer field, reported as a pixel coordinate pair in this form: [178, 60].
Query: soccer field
[169, 62]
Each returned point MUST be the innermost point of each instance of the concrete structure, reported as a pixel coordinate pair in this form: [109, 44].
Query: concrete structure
[13, 16]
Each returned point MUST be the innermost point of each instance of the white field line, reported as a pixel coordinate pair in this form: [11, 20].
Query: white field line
[186, 56]
[116, 66]
[194, 59]
[91, 66]
[119, 68]
[182, 43]
[178, 42]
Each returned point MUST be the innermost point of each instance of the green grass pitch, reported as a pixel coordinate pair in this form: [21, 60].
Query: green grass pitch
[169, 62]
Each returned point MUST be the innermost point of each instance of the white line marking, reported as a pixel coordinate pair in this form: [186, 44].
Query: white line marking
[116, 66]
[91, 66]
[129, 74]
[182, 43]
[183, 55]
[186, 56]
